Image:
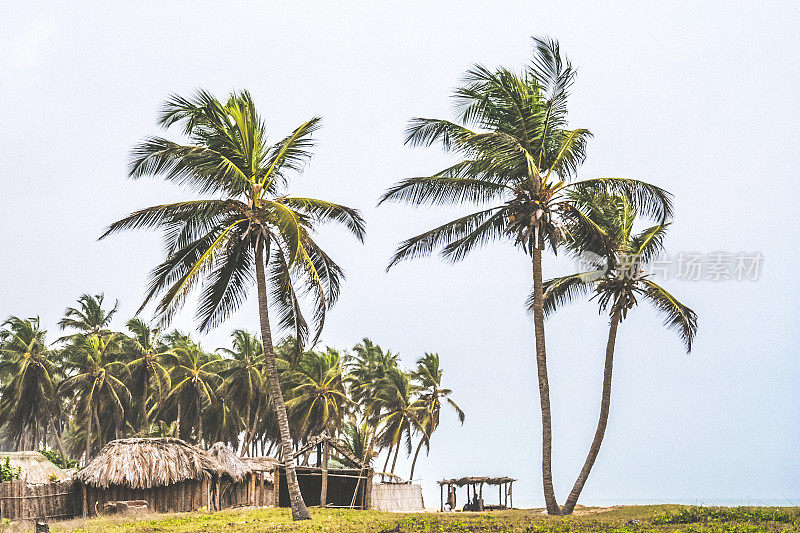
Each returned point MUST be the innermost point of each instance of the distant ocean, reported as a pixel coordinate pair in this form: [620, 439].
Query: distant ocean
[723, 502]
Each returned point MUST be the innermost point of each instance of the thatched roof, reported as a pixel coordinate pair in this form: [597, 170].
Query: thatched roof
[236, 467]
[262, 464]
[146, 463]
[473, 480]
[34, 467]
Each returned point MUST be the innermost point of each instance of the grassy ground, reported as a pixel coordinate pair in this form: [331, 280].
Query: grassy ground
[627, 519]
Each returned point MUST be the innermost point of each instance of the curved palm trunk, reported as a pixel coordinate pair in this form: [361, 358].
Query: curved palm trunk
[299, 510]
[605, 403]
[544, 386]
[199, 422]
[416, 455]
[396, 453]
[89, 423]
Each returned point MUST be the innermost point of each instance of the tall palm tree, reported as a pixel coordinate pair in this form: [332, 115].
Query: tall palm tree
[429, 378]
[519, 158]
[195, 381]
[395, 398]
[28, 404]
[150, 379]
[89, 317]
[244, 385]
[318, 399]
[248, 228]
[97, 383]
[368, 366]
[618, 278]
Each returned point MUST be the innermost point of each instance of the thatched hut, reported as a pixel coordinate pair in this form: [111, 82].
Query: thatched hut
[168, 473]
[35, 468]
[250, 483]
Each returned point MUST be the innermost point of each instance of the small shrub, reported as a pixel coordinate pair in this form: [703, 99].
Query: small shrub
[58, 459]
[8, 472]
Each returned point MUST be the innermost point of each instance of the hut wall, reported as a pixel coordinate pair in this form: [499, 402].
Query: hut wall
[20, 501]
[262, 487]
[178, 497]
[397, 497]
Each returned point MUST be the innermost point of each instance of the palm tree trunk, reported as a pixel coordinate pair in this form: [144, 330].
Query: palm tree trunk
[178, 420]
[416, 454]
[89, 423]
[605, 403]
[396, 453]
[388, 456]
[299, 510]
[544, 386]
[199, 422]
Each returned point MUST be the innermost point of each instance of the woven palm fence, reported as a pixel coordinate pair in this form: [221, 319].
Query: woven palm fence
[20, 501]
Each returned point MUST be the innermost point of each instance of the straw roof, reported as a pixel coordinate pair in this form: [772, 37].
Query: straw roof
[235, 466]
[34, 467]
[460, 482]
[262, 464]
[149, 462]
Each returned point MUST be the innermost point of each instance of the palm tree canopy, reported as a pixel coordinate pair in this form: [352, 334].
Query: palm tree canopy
[619, 276]
[518, 159]
[89, 316]
[229, 158]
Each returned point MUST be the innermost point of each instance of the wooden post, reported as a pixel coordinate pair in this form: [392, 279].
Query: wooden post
[368, 489]
[441, 498]
[85, 501]
[500, 495]
[511, 494]
[323, 496]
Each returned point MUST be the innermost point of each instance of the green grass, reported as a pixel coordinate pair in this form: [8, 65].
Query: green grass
[629, 519]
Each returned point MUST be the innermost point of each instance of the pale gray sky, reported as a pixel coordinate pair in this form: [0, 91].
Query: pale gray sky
[698, 99]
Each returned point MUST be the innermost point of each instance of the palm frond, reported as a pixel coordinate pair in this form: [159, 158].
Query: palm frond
[677, 316]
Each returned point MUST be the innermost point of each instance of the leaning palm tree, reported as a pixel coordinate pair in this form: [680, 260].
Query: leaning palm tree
[248, 231]
[395, 398]
[28, 406]
[518, 162]
[617, 278]
[429, 378]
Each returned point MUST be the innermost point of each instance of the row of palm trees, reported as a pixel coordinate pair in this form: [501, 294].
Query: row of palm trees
[517, 160]
[94, 385]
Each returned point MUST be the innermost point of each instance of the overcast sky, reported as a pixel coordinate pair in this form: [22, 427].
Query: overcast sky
[699, 100]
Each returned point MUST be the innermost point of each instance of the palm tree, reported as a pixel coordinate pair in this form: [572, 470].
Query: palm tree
[367, 369]
[519, 158]
[89, 317]
[146, 352]
[618, 279]
[395, 398]
[196, 379]
[97, 383]
[248, 228]
[28, 407]
[429, 378]
[318, 400]
[245, 386]
[358, 439]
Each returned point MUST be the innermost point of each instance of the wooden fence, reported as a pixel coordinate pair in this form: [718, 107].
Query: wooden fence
[20, 501]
